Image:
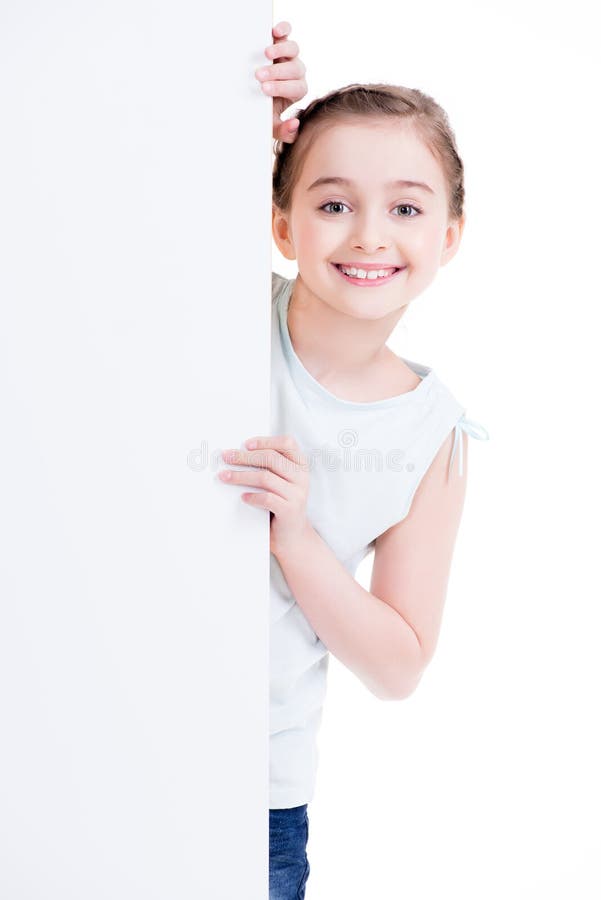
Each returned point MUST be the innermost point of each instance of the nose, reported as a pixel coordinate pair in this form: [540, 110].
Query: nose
[370, 234]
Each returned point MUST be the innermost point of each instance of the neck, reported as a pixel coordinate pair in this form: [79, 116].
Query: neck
[330, 343]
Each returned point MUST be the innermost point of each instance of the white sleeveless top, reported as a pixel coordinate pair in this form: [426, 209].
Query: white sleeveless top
[366, 462]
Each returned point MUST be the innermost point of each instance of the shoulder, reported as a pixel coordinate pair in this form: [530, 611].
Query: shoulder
[278, 283]
[400, 377]
[439, 497]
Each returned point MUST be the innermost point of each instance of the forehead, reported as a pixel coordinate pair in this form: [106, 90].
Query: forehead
[372, 152]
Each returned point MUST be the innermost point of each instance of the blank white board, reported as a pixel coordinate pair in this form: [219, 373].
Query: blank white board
[135, 164]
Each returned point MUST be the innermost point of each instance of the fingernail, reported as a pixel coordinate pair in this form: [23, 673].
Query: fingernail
[262, 73]
[268, 86]
[294, 126]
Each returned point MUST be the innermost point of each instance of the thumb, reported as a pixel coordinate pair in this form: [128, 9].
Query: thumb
[287, 131]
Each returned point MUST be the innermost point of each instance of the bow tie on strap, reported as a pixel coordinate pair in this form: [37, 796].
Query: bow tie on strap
[472, 428]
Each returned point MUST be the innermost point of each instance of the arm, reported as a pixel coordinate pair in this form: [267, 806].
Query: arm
[367, 635]
[387, 635]
[413, 558]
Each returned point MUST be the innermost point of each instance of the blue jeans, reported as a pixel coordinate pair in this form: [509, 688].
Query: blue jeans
[288, 864]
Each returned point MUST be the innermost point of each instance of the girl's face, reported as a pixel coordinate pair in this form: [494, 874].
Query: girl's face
[367, 218]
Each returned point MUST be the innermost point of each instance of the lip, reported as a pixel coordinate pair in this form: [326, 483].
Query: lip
[368, 282]
[367, 266]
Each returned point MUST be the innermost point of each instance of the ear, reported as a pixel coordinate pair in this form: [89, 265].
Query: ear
[452, 239]
[281, 233]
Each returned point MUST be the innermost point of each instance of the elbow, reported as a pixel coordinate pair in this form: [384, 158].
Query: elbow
[408, 687]
[402, 684]
[408, 683]
[397, 691]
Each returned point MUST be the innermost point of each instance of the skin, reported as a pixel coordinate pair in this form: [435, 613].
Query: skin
[389, 632]
[339, 330]
[284, 80]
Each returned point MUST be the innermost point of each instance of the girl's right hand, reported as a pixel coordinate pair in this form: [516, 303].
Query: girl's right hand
[287, 80]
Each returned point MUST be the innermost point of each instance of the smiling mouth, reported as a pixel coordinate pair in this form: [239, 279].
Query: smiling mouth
[369, 282]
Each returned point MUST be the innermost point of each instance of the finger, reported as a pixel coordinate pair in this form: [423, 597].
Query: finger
[287, 131]
[276, 463]
[283, 444]
[281, 38]
[266, 500]
[255, 478]
[274, 441]
[291, 90]
[285, 71]
[285, 49]
[281, 30]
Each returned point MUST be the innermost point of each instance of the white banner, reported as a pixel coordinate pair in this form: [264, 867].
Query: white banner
[134, 345]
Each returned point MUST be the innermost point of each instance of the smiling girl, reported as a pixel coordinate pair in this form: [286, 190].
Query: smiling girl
[368, 199]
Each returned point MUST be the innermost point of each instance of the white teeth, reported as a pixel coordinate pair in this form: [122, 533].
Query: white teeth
[370, 273]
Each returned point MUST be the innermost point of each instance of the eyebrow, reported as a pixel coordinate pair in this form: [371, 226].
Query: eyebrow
[401, 182]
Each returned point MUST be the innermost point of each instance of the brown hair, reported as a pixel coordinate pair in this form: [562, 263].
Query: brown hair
[374, 101]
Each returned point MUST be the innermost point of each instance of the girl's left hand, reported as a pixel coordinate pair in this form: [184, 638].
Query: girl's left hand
[284, 475]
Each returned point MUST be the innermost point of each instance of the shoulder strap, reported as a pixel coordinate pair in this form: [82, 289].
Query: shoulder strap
[472, 428]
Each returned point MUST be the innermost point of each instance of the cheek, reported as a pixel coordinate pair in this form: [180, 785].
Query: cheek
[426, 242]
[315, 234]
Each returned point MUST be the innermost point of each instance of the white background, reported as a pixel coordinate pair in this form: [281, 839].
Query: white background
[122, 566]
[135, 159]
[485, 782]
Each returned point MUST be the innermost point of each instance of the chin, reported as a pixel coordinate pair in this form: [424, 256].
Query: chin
[365, 312]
